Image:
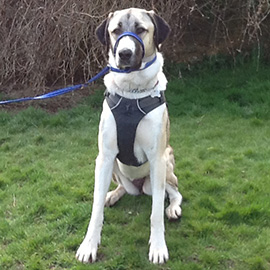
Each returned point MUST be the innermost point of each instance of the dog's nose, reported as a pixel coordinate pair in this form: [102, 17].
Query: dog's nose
[125, 54]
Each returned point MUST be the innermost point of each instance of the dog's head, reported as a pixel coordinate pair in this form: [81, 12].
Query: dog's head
[128, 51]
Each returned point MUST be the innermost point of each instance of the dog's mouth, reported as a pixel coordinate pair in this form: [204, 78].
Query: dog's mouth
[128, 66]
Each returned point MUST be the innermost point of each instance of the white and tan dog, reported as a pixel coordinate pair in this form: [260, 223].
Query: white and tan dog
[154, 160]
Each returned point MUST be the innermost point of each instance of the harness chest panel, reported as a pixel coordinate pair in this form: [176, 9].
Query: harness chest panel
[127, 114]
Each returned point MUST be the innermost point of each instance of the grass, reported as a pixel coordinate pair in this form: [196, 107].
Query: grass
[220, 134]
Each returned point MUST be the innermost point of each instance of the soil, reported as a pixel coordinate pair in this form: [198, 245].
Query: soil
[51, 105]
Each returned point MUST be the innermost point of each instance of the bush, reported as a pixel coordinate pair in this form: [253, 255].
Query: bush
[48, 43]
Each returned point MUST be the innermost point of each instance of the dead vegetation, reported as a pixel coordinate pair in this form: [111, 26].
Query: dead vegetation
[48, 43]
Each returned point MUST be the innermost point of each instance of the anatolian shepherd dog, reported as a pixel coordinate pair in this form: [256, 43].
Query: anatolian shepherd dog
[134, 128]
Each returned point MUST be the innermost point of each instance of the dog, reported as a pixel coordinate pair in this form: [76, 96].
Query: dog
[134, 128]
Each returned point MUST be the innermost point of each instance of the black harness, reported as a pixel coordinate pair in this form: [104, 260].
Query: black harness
[127, 114]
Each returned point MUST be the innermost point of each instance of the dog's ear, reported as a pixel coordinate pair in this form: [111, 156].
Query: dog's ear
[162, 29]
[102, 31]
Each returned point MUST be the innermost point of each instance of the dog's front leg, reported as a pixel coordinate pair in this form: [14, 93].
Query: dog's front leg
[158, 252]
[87, 251]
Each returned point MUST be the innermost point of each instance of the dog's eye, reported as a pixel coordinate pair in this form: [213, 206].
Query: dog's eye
[140, 30]
[116, 31]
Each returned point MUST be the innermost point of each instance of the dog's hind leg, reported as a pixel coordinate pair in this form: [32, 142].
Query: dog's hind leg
[115, 195]
[147, 186]
[173, 211]
[125, 185]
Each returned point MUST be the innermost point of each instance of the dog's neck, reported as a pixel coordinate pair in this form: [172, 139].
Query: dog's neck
[137, 84]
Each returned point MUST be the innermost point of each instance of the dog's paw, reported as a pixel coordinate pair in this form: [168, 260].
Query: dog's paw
[112, 198]
[173, 211]
[158, 254]
[87, 252]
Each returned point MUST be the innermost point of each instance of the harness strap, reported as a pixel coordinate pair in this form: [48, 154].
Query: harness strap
[127, 114]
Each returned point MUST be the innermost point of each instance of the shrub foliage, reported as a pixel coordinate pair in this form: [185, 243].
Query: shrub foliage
[46, 43]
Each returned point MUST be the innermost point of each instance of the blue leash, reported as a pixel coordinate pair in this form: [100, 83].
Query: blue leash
[79, 86]
[59, 91]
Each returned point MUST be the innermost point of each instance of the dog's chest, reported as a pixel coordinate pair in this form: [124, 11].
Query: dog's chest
[127, 114]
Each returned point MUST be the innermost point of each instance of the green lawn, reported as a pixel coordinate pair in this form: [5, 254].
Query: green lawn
[220, 132]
